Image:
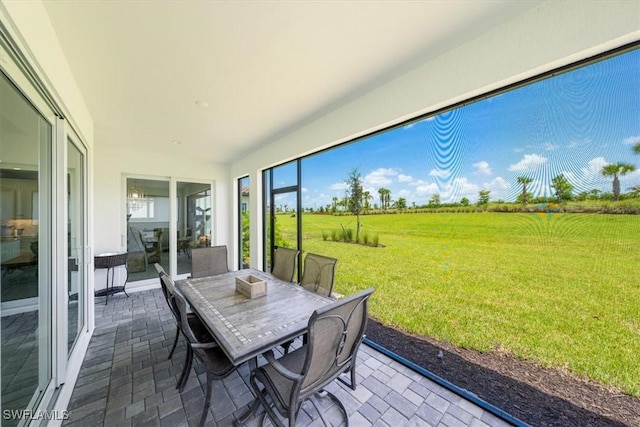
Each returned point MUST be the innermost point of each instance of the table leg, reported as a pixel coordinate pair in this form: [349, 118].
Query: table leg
[106, 297]
[242, 419]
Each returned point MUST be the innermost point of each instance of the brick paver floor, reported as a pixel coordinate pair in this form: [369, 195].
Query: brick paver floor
[126, 380]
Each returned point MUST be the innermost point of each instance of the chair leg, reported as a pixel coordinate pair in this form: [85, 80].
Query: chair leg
[338, 403]
[353, 377]
[186, 370]
[175, 342]
[260, 395]
[207, 399]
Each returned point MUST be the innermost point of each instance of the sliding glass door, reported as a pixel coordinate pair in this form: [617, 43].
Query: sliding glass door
[148, 211]
[76, 238]
[26, 135]
[150, 231]
[194, 221]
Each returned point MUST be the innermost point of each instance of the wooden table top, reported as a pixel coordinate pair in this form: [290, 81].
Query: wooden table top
[246, 327]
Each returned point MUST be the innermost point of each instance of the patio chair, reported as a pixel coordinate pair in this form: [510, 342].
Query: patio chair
[195, 324]
[209, 261]
[167, 296]
[318, 275]
[335, 333]
[216, 363]
[153, 247]
[284, 263]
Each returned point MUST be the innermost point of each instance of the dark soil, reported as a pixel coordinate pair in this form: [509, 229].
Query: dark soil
[533, 394]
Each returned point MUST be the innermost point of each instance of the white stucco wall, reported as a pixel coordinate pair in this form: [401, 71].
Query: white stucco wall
[542, 39]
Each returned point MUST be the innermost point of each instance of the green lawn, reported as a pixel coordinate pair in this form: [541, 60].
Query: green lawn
[559, 289]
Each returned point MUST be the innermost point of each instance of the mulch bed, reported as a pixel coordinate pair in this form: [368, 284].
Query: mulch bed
[533, 394]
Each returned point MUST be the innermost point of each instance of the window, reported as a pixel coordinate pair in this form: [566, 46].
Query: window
[507, 221]
[244, 222]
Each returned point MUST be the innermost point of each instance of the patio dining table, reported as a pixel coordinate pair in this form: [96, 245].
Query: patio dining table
[247, 327]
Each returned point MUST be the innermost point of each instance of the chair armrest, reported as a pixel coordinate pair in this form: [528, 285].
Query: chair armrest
[279, 367]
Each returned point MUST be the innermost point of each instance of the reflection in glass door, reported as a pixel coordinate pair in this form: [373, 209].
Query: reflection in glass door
[75, 242]
[194, 221]
[148, 208]
[25, 283]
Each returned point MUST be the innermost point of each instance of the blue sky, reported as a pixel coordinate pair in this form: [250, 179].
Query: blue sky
[574, 123]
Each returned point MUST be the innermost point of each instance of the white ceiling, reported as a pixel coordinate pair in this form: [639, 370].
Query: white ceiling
[265, 68]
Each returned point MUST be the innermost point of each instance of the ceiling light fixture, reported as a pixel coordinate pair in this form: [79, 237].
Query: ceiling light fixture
[202, 104]
[135, 196]
[176, 142]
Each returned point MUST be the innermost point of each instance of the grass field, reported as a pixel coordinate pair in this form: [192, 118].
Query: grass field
[562, 290]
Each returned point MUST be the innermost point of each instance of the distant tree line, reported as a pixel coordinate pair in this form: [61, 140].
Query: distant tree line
[357, 201]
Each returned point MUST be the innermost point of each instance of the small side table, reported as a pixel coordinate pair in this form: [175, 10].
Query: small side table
[111, 260]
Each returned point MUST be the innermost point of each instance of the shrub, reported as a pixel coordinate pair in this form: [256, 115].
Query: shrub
[347, 235]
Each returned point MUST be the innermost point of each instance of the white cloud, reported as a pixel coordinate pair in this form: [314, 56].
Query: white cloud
[528, 162]
[594, 168]
[482, 168]
[304, 189]
[631, 179]
[459, 188]
[339, 186]
[404, 178]
[380, 177]
[406, 194]
[631, 140]
[498, 184]
[549, 146]
[426, 189]
[498, 187]
[439, 173]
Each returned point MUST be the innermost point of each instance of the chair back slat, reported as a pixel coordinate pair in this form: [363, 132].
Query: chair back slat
[209, 261]
[284, 263]
[319, 273]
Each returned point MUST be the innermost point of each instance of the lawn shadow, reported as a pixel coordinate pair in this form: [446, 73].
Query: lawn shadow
[516, 395]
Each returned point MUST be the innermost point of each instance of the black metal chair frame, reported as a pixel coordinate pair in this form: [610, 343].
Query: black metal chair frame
[217, 365]
[338, 330]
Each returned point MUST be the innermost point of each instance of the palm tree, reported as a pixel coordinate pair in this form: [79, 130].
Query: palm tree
[615, 170]
[385, 198]
[636, 148]
[524, 180]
